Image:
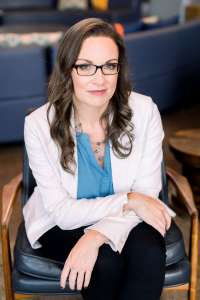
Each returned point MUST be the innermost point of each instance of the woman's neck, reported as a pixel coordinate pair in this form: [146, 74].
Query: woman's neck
[89, 118]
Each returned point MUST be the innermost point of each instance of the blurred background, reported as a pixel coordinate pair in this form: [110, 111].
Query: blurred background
[162, 39]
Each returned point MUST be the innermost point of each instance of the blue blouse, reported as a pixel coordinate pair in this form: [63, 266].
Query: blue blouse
[93, 180]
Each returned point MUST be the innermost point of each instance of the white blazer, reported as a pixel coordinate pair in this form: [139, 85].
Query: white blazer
[53, 201]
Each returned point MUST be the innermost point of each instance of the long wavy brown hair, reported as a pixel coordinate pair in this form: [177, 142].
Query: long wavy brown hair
[60, 93]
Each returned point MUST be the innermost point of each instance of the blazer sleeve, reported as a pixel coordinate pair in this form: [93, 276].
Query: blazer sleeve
[148, 181]
[65, 211]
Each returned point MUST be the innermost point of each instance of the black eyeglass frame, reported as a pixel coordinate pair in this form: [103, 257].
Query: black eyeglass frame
[75, 66]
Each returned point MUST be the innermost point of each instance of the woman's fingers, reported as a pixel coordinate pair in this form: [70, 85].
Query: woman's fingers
[168, 220]
[72, 279]
[157, 219]
[159, 227]
[64, 275]
[75, 278]
[87, 278]
[162, 222]
[80, 280]
[164, 219]
[81, 258]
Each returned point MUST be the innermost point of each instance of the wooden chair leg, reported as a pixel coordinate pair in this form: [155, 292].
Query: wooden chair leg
[22, 296]
[194, 258]
[7, 265]
[7, 200]
[192, 294]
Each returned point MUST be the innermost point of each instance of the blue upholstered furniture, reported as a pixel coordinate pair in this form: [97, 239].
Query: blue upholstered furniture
[27, 4]
[19, 12]
[165, 63]
[32, 273]
[23, 81]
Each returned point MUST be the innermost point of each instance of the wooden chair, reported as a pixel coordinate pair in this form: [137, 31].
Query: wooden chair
[31, 273]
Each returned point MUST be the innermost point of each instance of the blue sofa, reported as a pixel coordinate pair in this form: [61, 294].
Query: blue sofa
[24, 12]
[23, 79]
[165, 64]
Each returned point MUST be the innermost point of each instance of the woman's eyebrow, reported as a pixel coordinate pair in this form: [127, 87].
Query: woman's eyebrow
[90, 62]
[86, 60]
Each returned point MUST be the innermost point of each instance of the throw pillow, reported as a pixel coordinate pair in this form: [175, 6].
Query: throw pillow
[66, 4]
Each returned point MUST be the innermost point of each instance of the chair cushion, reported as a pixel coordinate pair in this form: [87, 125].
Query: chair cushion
[176, 274]
[174, 245]
[25, 284]
[32, 262]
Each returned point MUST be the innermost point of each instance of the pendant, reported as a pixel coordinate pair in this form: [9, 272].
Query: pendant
[100, 158]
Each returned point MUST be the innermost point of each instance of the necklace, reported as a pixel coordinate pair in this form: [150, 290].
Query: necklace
[99, 150]
[97, 147]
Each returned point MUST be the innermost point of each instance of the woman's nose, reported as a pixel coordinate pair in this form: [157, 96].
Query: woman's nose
[99, 76]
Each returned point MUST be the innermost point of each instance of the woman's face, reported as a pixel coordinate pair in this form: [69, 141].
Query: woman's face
[95, 90]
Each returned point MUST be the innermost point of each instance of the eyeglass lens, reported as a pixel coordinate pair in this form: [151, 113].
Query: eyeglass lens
[90, 69]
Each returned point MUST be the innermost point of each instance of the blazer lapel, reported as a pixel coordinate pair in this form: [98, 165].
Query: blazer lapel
[124, 171]
[70, 181]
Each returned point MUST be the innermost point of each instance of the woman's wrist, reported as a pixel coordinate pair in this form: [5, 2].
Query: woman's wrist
[98, 237]
[131, 196]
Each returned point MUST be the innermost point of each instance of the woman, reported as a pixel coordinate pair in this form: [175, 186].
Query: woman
[95, 150]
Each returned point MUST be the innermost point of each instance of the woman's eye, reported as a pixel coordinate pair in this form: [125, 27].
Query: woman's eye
[84, 67]
[110, 66]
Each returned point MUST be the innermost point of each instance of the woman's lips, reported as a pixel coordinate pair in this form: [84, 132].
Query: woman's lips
[97, 92]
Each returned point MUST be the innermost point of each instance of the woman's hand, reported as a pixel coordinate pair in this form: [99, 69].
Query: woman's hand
[150, 210]
[81, 260]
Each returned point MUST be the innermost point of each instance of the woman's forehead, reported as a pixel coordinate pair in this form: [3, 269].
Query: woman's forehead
[98, 48]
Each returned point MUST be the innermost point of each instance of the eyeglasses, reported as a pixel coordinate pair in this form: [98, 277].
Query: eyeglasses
[90, 69]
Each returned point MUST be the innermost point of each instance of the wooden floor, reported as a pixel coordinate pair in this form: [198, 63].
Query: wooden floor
[11, 164]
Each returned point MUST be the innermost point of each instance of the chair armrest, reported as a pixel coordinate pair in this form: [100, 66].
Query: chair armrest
[183, 187]
[9, 195]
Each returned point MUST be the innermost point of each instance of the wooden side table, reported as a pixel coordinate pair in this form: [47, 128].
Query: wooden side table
[185, 145]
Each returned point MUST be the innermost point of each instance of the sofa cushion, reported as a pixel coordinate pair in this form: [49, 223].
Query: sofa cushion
[12, 115]
[65, 17]
[160, 23]
[17, 39]
[130, 27]
[22, 72]
[24, 4]
[66, 4]
[165, 63]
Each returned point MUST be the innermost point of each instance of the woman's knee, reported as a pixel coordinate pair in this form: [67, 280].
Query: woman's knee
[146, 246]
[106, 275]
[108, 262]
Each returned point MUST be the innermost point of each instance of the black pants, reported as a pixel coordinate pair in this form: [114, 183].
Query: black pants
[135, 274]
